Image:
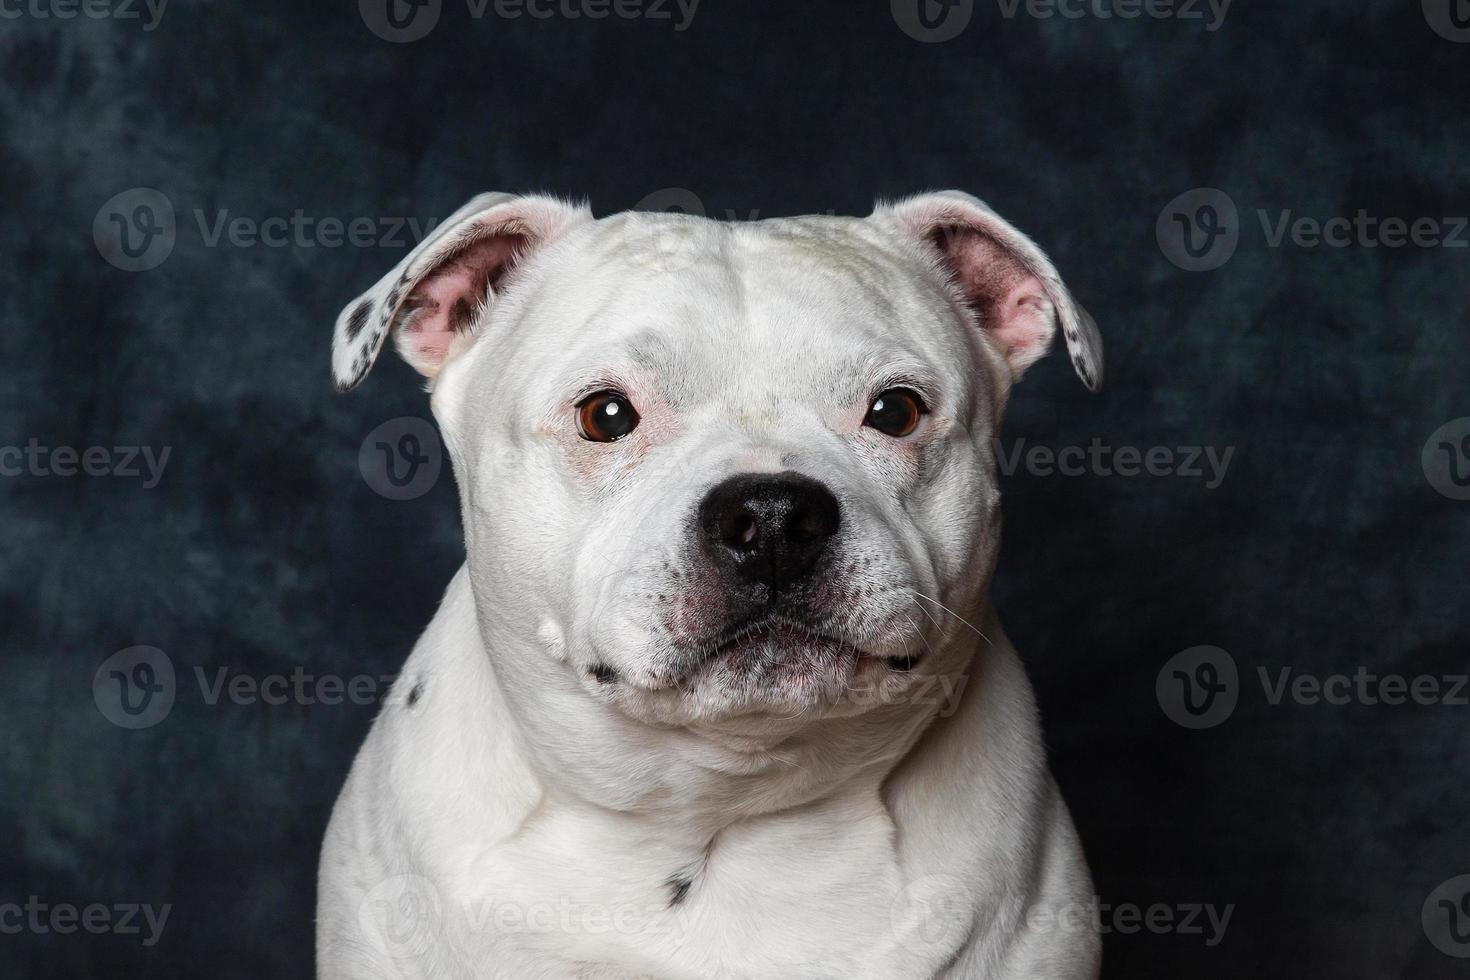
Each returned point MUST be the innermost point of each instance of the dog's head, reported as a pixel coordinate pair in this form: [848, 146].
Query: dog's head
[714, 469]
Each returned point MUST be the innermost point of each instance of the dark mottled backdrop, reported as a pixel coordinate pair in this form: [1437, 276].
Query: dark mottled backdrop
[1335, 542]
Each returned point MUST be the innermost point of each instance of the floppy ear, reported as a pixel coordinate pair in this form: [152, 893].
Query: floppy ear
[440, 289]
[1008, 284]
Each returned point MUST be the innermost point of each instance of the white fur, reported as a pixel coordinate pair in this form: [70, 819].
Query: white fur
[511, 816]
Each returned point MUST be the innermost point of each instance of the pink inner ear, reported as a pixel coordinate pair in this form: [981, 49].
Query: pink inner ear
[448, 300]
[1011, 303]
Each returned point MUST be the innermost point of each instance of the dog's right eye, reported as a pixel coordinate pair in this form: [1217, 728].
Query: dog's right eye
[896, 412]
[606, 416]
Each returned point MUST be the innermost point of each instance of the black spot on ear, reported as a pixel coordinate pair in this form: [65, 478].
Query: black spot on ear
[902, 663]
[678, 887]
[415, 694]
[461, 315]
[603, 673]
[359, 318]
[359, 368]
[405, 313]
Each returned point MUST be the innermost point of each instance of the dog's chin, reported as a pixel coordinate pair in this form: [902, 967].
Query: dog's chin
[776, 663]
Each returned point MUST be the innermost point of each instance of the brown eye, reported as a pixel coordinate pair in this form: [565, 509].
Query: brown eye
[896, 412]
[605, 417]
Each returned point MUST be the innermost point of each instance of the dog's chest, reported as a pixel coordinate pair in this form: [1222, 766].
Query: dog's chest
[809, 893]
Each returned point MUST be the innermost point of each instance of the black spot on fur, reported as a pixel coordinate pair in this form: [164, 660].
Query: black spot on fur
[359, 368]
[415, 694]
[461, 315]
[603, 673]
[901, 663]
[678, 889]
[359, 318]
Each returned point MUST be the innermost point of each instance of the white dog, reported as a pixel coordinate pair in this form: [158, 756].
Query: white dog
[718, 691]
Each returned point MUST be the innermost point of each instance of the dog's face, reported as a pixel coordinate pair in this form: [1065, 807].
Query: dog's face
[714, 470]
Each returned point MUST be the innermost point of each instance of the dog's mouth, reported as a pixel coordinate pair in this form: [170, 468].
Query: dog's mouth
[777, 658]
[778, 632]
[773, 638]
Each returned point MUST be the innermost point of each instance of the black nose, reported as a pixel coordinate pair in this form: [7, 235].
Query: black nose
[768, 529]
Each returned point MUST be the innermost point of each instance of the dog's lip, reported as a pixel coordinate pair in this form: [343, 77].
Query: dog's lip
[772, 627]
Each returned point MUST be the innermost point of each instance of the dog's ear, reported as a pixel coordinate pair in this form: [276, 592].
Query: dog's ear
[1008, 284]
[440, 289]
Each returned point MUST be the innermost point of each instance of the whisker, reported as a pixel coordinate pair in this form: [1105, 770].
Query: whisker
[915, 626]
[930, 616]
[956, 615]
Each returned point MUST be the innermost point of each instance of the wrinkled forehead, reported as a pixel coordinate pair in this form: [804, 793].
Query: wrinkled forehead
[783, 306]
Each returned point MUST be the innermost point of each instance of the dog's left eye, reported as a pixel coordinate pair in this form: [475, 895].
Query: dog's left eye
[606, 416]
[896, 412]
